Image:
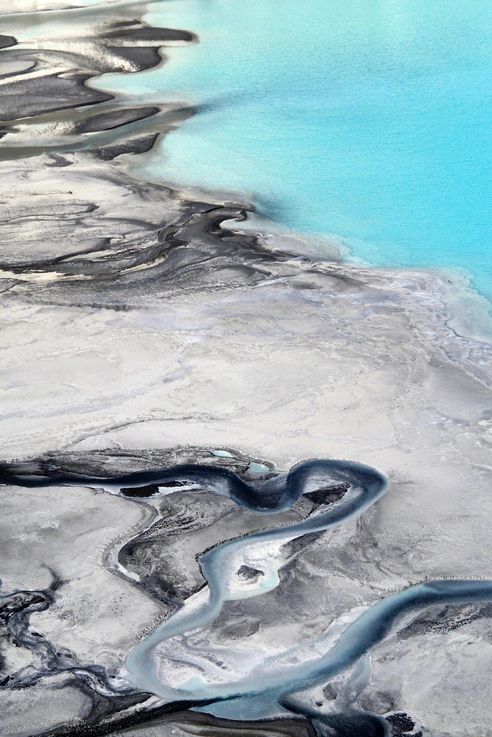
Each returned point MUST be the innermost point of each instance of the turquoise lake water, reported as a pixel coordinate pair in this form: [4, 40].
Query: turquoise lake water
[367, 119]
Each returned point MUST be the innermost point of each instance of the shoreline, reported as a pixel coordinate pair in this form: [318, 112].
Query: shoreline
[237, 164]
[143, 329]
[165, 117]
[477, 325]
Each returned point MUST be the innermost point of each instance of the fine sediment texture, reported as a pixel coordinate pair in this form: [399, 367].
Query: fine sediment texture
[167, 541]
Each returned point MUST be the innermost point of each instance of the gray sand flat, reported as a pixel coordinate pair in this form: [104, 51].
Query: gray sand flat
[142, 328]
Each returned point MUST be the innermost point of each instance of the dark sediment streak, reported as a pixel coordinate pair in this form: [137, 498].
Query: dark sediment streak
[117, 44]
[103, 466]
[170, 253]
[165, 717]
[52, 92]
[64, 96]
[110, 703]
[173, 244]
[115, 119]
[7, 41]
[111, 716]
[273, 494]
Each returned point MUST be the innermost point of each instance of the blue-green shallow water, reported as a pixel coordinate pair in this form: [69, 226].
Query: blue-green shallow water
[368, 119]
